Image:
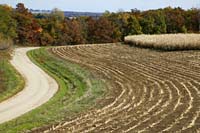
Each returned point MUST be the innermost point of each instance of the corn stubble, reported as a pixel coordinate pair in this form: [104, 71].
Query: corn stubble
[149, 91]
[166, 41]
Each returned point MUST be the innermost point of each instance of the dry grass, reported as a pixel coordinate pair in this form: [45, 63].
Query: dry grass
[5, 43]
[166, 41]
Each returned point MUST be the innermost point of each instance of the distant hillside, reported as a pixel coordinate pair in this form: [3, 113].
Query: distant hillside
[70, 13]
[78, 14]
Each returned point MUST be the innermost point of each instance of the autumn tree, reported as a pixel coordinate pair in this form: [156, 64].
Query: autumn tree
[55, 29]
[71, 33]
[175, 20]
[45, 39]
[91, 27]
[76, 32]
[28, 29]
[101, 31]
[123, 22]
[114, 18]
[192, 20]
[82, 20]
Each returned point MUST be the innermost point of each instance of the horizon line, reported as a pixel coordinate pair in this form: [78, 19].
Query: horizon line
[111, 11]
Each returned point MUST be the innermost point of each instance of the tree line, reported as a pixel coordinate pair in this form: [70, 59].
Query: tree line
[25, 28]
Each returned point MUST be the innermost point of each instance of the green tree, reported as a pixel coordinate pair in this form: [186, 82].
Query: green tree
[57, 14]
[7, 23]
[153, 22]
[147, 24]
[159, 23]
[133, 27]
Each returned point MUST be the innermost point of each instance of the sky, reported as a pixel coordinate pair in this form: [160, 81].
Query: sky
[102, 5]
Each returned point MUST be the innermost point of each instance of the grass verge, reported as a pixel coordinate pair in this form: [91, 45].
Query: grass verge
[11, 82]
[78, 91]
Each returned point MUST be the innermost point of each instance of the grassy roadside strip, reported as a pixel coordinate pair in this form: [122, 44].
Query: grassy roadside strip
[11, 82]
[67, 102]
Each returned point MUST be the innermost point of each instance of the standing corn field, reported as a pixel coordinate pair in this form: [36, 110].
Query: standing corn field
[166, 41]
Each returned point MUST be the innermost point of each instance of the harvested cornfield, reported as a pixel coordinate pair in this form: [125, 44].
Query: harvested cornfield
[149, 91]
[166, 41]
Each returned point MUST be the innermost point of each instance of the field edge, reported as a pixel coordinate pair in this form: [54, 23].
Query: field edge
[13, 126]
[15, 82]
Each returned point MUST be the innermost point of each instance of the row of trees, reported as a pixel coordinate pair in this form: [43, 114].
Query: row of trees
[55, 29]
[161, 21]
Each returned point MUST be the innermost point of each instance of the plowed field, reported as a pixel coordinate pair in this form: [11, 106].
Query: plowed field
[149, 91]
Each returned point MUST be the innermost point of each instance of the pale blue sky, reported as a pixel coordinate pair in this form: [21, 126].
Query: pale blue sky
[102, 5]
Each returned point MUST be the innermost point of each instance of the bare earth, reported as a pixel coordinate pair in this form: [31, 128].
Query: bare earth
[149, 91]
[39, 88]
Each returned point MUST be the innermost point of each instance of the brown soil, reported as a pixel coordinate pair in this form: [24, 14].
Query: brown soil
[149, 91]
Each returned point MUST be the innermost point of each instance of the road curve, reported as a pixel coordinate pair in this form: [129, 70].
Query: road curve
[39, 88]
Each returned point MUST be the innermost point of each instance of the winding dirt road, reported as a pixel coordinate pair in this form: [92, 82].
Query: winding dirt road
[39, 88]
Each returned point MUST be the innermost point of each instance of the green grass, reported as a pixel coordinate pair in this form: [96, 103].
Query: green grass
[11, 82]
[68, 101]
